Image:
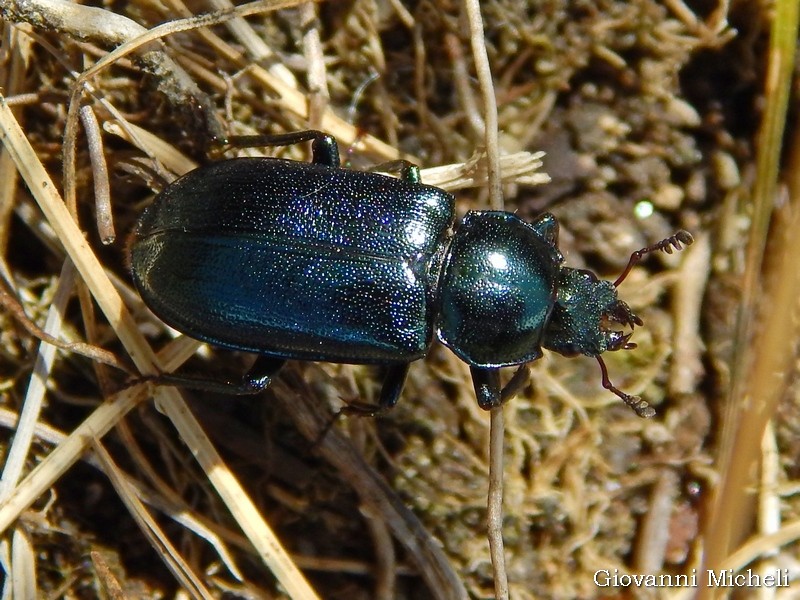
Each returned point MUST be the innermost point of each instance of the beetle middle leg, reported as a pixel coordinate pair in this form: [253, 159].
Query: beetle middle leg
[391, 388]
[488, 390]
[393, 383]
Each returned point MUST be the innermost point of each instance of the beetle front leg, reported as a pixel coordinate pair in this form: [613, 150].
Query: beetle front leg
[518, 381]
[392, 387]
[487, 385]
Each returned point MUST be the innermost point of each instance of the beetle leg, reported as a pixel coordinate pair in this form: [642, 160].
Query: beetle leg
[393, 383]
[324, 149]
[408, 171]
[260, 375]
[487, 387]
[516, 383]
[546, 226]
[639, 406]
[256, 380]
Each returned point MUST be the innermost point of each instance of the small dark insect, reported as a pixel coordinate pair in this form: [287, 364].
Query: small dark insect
[311, 261]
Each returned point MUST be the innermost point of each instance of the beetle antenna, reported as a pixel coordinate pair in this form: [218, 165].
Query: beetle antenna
[667, 245]
[639, 406]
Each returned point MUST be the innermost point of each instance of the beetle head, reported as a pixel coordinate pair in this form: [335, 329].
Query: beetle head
[587, 312]
[587, 309]
[589, 319]
[586, 316]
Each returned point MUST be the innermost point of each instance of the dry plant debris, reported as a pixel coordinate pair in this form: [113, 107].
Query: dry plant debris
[647, 112]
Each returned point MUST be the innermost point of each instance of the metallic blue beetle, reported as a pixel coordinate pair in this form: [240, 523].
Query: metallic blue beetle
[311, 261]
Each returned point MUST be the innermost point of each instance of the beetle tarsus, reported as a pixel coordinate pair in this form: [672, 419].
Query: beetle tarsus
[201, 384]
[362, 409]
[324, 149]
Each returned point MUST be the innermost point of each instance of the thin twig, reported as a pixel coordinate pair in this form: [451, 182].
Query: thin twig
[495, 500]
[494, 515]
[34, 396]
[484, 72]
[10, 304]
[104, 27]
[315, 58]
[257, 48]
[191, 581]
[102, 189]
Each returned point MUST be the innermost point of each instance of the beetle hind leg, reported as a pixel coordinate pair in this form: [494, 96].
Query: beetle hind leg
[256, 380]
[324, 149]
[260, 374]
[407, 171]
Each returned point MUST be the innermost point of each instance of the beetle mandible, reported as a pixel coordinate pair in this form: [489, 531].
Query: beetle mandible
[311, 261]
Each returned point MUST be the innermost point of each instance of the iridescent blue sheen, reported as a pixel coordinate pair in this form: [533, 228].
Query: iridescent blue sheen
[310, 261]
[497, 290]
[296, 260]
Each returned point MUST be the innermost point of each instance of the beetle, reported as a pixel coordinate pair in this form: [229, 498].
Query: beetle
[312, 261]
